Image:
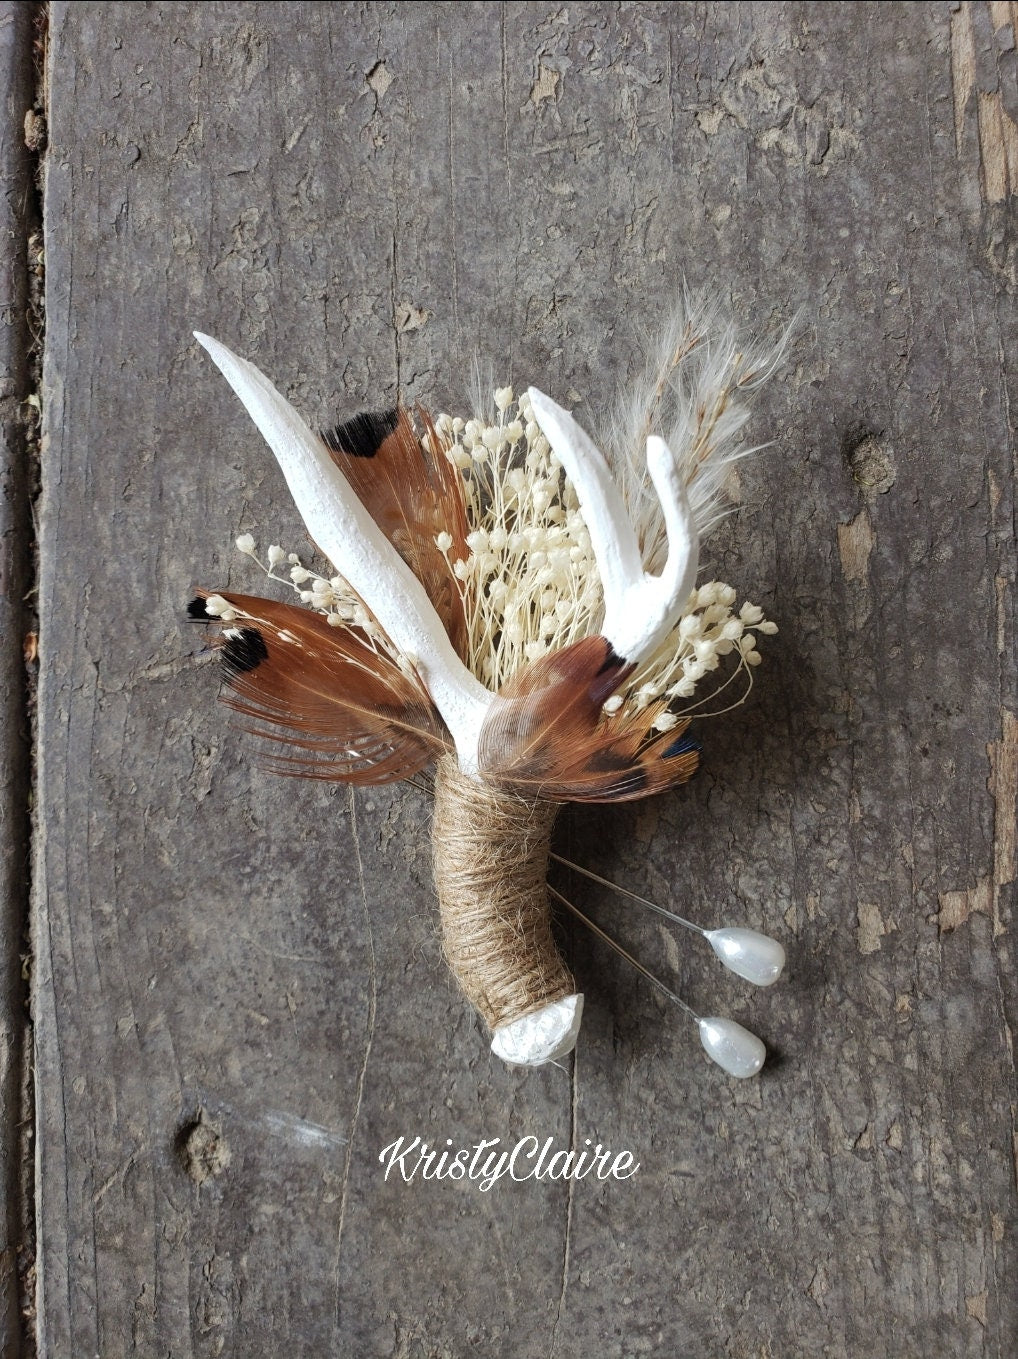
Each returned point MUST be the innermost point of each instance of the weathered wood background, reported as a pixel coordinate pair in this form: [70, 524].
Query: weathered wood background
[239, 997]
[18, 222]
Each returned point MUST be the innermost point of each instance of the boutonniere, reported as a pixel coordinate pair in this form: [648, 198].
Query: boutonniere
[506, 605]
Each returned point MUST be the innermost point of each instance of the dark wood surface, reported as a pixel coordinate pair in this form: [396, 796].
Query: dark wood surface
[19, 428]
[239, 997]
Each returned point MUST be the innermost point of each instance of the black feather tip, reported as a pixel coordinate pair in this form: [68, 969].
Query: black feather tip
[243, 649]
[682, 745]
[362, 436]
[613, 661]
[196, 611]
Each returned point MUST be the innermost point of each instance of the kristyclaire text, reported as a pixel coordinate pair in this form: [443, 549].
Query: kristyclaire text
[485, 1165]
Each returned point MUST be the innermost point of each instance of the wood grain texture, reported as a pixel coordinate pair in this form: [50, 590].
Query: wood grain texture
[239, 995]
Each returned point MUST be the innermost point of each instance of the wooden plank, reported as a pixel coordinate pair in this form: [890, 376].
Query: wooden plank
[239, 994]
[18, 218]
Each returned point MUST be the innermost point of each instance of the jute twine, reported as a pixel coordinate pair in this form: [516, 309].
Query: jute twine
[491, 866]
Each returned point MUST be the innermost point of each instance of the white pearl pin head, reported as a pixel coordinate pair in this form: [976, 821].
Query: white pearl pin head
[749, 954]
[734, 1048]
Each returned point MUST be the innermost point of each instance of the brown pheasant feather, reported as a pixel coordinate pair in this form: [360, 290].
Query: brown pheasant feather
[547, 736]
[412, 495]
[325, 692]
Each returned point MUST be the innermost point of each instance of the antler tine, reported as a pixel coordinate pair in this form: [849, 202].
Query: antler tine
[639, 609]
[360, 552]
[678, 576]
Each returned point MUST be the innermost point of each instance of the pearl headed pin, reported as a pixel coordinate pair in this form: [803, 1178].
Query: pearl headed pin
[734, 1048]
[756, 957]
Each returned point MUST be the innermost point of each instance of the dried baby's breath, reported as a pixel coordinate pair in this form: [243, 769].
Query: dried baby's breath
[530, 582]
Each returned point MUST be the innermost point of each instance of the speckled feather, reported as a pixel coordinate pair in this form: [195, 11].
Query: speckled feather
[547, 736]
[412, 495]
[349, 711]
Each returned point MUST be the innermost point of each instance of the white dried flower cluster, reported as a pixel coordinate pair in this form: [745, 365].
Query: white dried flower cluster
[530, 582]
[708, 632]
[218, 607]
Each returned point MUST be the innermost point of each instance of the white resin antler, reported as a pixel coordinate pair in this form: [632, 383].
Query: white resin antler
[360, 552]
[639, 609]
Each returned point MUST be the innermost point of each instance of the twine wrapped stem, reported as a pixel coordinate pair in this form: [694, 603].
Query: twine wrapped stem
[491, 865]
